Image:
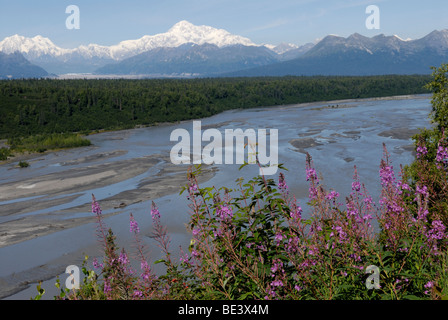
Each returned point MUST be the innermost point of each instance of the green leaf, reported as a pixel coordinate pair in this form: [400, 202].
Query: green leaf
[159, 261]
[246, 295]
[225, 282]
[411, 297]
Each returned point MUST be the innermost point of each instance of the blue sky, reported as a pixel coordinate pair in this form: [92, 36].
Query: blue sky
[108, 22]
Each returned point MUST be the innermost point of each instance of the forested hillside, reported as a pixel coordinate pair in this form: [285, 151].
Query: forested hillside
[30, 107]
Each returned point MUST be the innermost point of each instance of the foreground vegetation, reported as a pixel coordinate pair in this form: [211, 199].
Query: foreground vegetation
[252, 242]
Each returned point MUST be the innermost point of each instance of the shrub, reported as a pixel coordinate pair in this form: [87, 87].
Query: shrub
[23, 164]
[43, 142]
[4, 153]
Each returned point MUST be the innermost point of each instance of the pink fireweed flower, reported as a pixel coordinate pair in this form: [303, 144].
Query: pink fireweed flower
[421, 215]
[442, 153]
[133, 225]
[146, 268]
[277, 265]
[356, 186]
[332, 195]
[368, 200]
[437, 232]
[193, 188]
[195, 254]
[311, 174]
[428, 285]
[123, 258]
[155, 214]
[107, 287]
[224, 212]
[296, 212]
[278, 238]
[96, 264]
[341, 233]
[282, 183]
[351, 209]
[96, 209]
[402, 186]
[367, 217]
[386, 174]
[422, 190]
[184, 258]
[277, 283]
[421, 151]
[313, 193]
[217, 233]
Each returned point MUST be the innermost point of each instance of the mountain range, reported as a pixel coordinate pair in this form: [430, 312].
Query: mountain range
[198, 51]
[360, 55]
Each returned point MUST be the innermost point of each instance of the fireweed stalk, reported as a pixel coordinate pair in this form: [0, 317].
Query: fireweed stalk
[253, 242]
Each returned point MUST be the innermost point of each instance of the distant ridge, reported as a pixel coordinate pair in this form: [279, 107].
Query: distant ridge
[360, 55]
[14, 66]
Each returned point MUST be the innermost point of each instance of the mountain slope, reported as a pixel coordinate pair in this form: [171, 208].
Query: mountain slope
[193, 59]
[360, 55]
[14, 65]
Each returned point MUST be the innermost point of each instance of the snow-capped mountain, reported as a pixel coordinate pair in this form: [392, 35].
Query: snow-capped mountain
[284, 47]
[31, 47]
[333, 54]
[87, 58]
[181, 33]
[44, 52]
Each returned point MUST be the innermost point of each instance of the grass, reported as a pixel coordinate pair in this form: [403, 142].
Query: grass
[43, 142]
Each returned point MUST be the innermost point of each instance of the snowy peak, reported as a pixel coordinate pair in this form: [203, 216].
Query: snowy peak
[284, 47]
[186, 32]
[181, 33]
[33, 47]
[182, 26]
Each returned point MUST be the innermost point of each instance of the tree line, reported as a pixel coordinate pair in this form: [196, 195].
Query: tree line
[47, 106]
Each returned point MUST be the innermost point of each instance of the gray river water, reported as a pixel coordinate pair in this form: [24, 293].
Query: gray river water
[338, 135]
